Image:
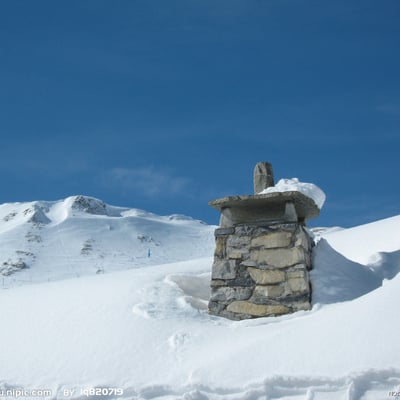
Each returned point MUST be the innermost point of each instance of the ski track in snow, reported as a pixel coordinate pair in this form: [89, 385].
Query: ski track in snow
[366, 385]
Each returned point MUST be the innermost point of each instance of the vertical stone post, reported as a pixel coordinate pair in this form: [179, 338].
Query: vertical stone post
[263, 176]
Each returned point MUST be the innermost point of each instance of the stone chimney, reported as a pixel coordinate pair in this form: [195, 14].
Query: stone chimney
[262, 252]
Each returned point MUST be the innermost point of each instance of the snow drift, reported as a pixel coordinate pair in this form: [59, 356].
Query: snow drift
[294, 185]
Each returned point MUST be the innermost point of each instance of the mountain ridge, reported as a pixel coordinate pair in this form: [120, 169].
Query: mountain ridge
[79, 235]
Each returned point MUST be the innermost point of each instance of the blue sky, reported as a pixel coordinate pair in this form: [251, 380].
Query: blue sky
[165, 105]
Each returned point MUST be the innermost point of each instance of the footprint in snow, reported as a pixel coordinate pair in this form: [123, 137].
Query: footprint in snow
[178, 340]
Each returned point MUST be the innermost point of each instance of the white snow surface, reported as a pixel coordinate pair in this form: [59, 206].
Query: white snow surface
[293, 184]
[146, 329]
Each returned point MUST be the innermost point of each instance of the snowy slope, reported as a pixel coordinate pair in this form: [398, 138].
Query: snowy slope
[41, 241]
[147, 331]
[363, 243]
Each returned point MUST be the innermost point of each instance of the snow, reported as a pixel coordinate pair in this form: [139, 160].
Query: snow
[81, 236]
[308, 189]
[146, 329]
[362, 243]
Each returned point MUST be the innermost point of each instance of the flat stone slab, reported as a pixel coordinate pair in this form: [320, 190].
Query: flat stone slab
[305, 206]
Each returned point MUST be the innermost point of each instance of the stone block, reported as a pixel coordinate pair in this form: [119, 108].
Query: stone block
[266, 277]
[288, 227]
[243, 208]
[290, 212]
[262, 294]
[220, 247]
[215, 307]
[243, 278]
[254, 215]
[297, 272]
[227, 294]
[225, 220]
[278, 258]
[263, 229]
[218, 282]
[248, 263]
[245, 230]
[272, 240]
[303, 240]
[238, 242]
[236, 254]
[224, 231]
[298, 285]
[292, 298]
[257, 310]
[224, 269]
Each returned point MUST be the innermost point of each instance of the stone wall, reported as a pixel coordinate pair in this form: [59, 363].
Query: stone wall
[260, 271]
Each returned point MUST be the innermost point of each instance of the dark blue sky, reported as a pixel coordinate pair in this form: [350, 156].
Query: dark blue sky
[164, 105]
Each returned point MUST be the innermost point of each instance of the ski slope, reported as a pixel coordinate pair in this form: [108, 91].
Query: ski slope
[145, 331]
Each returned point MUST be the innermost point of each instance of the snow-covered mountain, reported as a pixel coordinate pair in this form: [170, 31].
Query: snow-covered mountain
[42, 241]
[145, 333]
